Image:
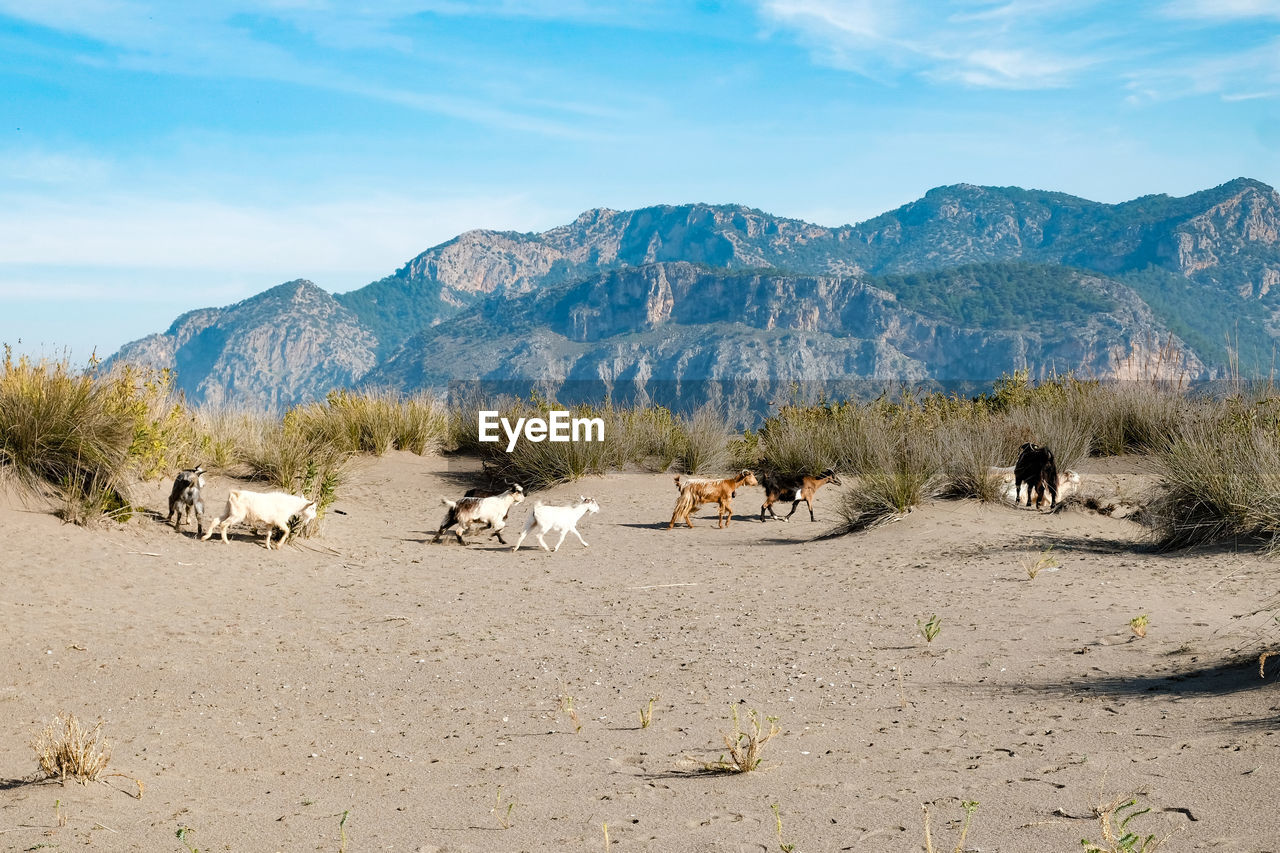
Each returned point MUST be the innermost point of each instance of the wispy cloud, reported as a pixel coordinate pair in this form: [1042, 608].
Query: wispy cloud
[1036, 44]
[980, 45]
[308, 43]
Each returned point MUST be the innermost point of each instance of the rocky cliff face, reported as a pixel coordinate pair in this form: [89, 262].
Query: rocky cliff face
[684, 323]
[286, 345]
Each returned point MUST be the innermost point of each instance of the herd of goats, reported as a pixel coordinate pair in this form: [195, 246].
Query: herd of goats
[480, 509]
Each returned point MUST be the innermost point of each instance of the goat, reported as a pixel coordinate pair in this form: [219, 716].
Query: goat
[273, 509]
[695, 493]
[489, 511]
[184, 499]
[1068, 484]
[1036, 468]
[794, 488]
[549, 519]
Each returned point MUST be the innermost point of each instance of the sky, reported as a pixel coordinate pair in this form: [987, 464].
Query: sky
[157, 157]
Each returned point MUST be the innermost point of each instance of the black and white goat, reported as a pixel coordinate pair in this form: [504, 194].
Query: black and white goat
[490, 512]
[185, 499]
[794, 488]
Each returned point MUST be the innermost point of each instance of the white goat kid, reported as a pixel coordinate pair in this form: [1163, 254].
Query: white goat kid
[549, 519]
[274, 509]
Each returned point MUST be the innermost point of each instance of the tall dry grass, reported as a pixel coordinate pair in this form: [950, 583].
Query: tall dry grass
[64, 433]
[1218, 479]
[64, 748]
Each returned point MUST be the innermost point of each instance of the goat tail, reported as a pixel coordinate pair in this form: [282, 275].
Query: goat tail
[678, 486]
[450, 504]
[685, 503]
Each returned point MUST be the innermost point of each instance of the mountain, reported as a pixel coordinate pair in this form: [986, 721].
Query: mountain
[291, 343]
[967, 282]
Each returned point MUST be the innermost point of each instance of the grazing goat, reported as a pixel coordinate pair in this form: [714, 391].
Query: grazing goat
[549, 519]
[465, 513]
[695, 493]
[794, 488]
[1068, 484]
[185, 498]
[1036, 468]
[274, 509]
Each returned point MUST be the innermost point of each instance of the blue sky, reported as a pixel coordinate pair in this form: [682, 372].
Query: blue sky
[161, 156]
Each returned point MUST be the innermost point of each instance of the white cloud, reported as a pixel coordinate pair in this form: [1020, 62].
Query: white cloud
[1223, 9]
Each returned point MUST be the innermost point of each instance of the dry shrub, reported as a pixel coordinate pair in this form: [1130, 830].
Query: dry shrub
[704, 448]
[63, 433]
[1060, 428]
[1217, 481]
[65, 748]
[1131, 417]
[905, 470]
[746, 748]
[374, 422]
[969, 449]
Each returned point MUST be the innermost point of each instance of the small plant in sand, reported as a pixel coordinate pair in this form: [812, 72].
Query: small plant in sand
[970, 806]
[342, 831]
[182, 833]
[57, 813]
[502, 813]
[1138, 625]
[777, 820]
[566, 707]
[65, 748]
[605, 827]
[931, 628]
[646, 713]
[745, 747]
[1113, 820]
[1042, 560]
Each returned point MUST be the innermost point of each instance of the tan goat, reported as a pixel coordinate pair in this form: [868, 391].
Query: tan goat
[695, 493]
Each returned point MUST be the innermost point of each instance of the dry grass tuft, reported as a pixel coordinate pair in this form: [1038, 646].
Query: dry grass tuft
[65, 748]
[970, 806]
[745, 747]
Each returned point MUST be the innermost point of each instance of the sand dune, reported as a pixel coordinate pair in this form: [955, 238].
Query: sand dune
[259, 695]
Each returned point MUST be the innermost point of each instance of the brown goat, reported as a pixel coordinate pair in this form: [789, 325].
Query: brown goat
[795, 488]
[698, 492]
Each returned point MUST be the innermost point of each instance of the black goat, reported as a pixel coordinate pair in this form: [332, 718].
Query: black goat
[1036, 468]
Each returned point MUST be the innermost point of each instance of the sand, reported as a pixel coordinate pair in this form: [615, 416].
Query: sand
[419, 689]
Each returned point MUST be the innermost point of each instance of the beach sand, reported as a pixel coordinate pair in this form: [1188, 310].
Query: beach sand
[420, 689]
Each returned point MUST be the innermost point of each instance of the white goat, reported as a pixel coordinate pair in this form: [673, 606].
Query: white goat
[488, 512]
[549, 519]
[273, 509]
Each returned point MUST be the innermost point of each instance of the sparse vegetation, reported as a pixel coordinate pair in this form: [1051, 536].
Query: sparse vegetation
[502, 814]
[1138, 625]
[566, 707]
[745, 747]
[646, 713]
[1113, 823]
[64, 748]
[970, 806]
[931, 628]
[1038, 562]
[777, 819]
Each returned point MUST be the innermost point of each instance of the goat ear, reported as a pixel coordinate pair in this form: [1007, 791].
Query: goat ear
[309, 505]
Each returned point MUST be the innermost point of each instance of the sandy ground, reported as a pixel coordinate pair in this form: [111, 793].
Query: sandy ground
[417, 688]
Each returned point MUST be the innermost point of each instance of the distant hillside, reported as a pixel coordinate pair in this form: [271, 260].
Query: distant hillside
[967, 282]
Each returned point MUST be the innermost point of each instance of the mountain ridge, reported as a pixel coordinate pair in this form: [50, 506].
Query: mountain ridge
[950, 250]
